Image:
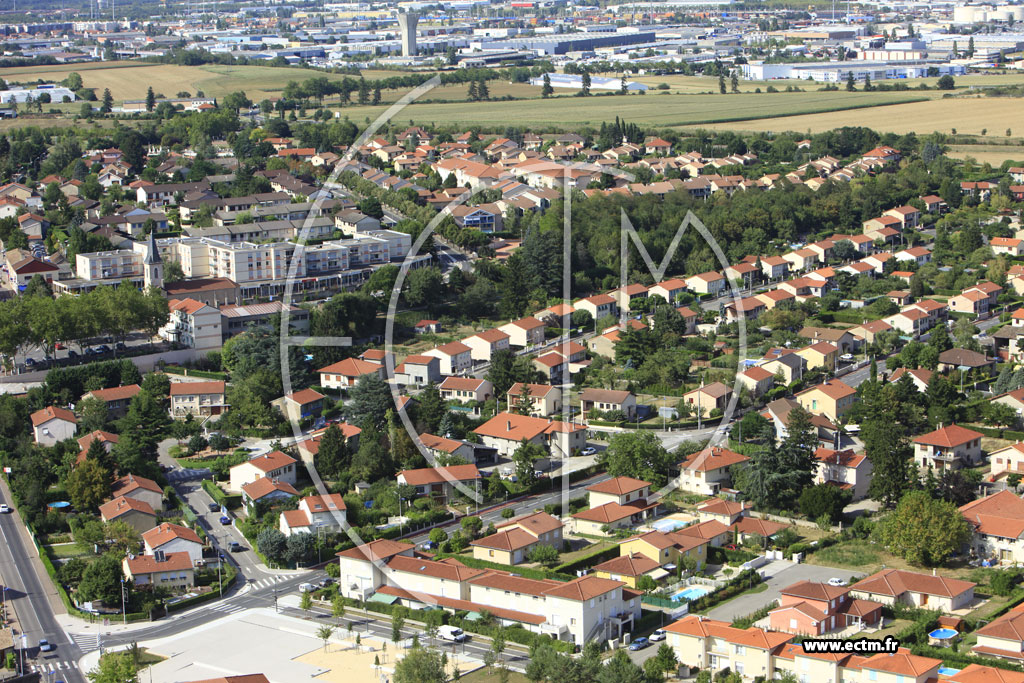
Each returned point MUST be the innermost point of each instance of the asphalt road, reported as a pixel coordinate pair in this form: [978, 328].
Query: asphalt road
[778, 575]
[24, 589]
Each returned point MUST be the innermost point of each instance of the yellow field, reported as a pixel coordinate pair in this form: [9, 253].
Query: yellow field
[129, 80]
[966, 115]
[992, 154]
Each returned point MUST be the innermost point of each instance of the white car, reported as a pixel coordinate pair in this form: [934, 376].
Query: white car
[589, 450]
[306, 588]
[4, 508]
[658, 635]
[846, 357]
[836, 581]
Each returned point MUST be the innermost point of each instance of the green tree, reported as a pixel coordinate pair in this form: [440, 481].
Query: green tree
[621, 669]
[546, 89]
[851, 84]
[325, 632]
[101, 580]
[662, 663]
[544, 554]
[420, 665]
[721, 84]
[107, 103]
[923, 530]
[369, 400]
[306, 602]
[640, 455]
[824, 500]
[424, 287]
[585, 84]
[89, 485]
[946, 82]
[525, 458]
[115, 667]
[150, 99]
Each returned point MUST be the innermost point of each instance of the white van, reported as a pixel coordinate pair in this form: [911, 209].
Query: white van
[306, 588]
[452, 633]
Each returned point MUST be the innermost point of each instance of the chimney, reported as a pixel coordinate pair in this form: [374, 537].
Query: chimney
[508, 425]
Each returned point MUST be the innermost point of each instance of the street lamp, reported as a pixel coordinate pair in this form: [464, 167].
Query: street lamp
[124, 612]
[319, 542]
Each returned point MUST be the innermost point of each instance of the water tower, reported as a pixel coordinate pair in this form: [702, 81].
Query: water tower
[407, 23]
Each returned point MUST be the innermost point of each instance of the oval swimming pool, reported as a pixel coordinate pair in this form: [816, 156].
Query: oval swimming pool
[942, 633]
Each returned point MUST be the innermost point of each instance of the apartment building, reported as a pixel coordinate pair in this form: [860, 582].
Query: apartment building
[193, 324]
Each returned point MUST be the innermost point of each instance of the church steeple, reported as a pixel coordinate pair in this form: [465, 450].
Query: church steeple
[152, 265]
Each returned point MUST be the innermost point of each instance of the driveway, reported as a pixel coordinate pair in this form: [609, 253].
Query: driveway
[778, 575]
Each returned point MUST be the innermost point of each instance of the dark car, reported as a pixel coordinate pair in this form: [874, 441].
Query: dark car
[235, 547]
[213, 507]
[120, 346]
[225, 520]
[102, 348]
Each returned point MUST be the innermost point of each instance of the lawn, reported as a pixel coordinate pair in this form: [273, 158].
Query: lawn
[656, 109]
[66, 550]
[965, 114]
[869, 558]
[483, 676]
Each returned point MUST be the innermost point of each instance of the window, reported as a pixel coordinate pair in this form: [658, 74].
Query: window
[739, 650]
[872, 675]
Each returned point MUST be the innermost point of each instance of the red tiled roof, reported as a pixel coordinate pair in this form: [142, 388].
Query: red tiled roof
[147, 564]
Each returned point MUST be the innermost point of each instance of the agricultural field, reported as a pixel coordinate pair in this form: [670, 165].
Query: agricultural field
[991, 154]
[129, 80]
[968, 115]
[654, 109]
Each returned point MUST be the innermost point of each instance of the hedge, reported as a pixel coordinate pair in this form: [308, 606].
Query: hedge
[228, 578]
[223, 499]
[528, 572]
[743, 581]
[178, 370]
[589, 560]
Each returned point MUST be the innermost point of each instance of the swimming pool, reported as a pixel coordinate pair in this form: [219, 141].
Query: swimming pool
[947, 671]
[942, 633]
[691, 593]
[668, 524]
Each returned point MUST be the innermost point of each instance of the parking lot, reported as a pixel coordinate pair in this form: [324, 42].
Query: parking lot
[778, 575]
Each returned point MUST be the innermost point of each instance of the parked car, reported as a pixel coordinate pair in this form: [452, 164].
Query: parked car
[120, 346]
[102, 348]
[589, 450]
[72, 353]
[225, 520]
[658, 636]
[306, 588]
[235, 547]
[452, 633]
[4, 508]
[639, 644]
[213, 507]
[846, 357]
[836, 581]
[30, 362]
[324, 583]
[59, 346]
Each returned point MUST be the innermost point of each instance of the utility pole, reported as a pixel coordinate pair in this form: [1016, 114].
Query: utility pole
[124, 612]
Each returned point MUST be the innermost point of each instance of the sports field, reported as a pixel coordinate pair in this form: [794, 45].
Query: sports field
[967, 115]
[656, 109]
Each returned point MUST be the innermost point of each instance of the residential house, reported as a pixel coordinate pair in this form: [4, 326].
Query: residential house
[757, 380]
[598, 306]
[997, 527]
[669, 290]
[708, 470]
[716, 645]
[301, 405]
[1002, 637]
[553, 366]
[890, 586]
[832, 398]
[418, 370]
[820, 355]
[706, 283]
[483, 345]
[345, 373]
[705, 399]
[273, 465]
[52, 425]
[465, 389]
[538, 400]
[666, 548]
[139, 488]
[267, 490]
[315, 513]
[845, 469]
[116, 398]
[440, 482]
[173, 538]
[949, 447]
[456, 358]
[957, 359]
[606, 400]
[524, 332]
[136, 513]
[813, 609]
[514, 540]
[171, 571]
[197, 398]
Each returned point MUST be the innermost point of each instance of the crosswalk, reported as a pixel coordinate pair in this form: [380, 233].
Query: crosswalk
[86, 642]
[265, 583]
[52, 667]
[187, 473]
[228, 608]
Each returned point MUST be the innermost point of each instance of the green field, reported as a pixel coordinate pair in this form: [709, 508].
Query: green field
[655, 109]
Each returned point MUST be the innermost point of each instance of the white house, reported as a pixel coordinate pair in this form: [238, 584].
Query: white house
[51, 425]
[275, 465]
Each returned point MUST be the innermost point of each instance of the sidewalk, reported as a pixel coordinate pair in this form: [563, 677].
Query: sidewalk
[37, 565]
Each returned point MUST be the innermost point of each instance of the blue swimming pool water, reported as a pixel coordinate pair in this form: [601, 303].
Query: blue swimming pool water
[942, 633]
[668, 524]
[947, 671]
[691, 593]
